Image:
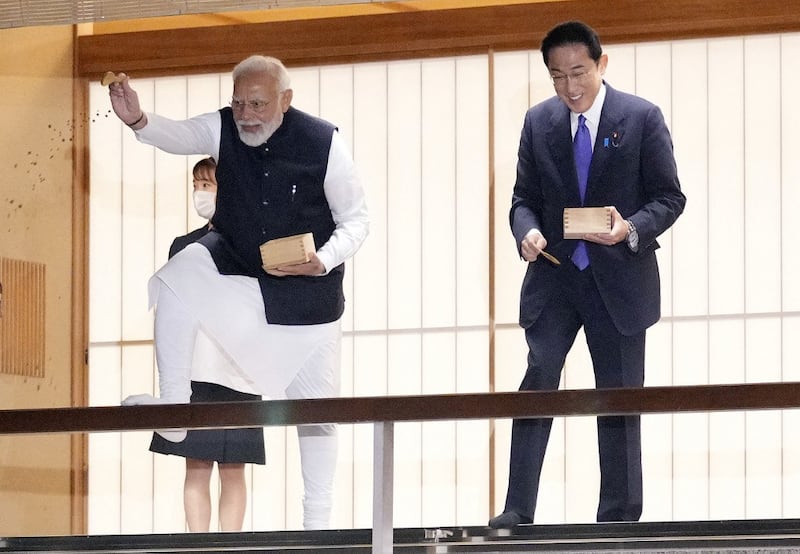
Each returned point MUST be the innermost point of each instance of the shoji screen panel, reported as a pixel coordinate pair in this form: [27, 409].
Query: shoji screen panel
[763, 432]
[790, 174]
[762, 223]
[511, 98]
[136, 247]
[511, 88]
[105, 215]
[791, 419]
[726, 198]
[471, 250]
[790, 262]
[726, 356]
[104, 452]
[762, 169]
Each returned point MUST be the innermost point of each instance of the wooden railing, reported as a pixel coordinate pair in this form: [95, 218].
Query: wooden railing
[384, 411]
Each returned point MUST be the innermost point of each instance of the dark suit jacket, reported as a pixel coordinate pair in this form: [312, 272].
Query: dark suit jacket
[182, 242]
[632, 168]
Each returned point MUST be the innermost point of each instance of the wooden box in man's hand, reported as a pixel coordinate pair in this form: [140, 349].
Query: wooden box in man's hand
[583, 221]
[296, 249]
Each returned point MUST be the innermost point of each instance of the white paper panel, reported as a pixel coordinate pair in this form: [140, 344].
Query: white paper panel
[472, 190]
[439, 193]
[621, 69]
[438, 479]
[763, 428]
[404, 200]
[654, 83]
[405, 377]
[370, 379]
[790, 172]
[370, 147]
[336, 106]
[690, 136]
[472, 437]
[137, 226]
[511, 92]
[105, 214]
[791, 420]
[105, 463]
[726, 198]
[727, 429]
[657, 428]
[690, 431]
[762, 136]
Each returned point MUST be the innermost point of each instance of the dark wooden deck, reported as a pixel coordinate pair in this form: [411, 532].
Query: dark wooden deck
[743, 536]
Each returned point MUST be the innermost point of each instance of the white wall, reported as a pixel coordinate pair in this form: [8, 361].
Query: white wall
[417, 317]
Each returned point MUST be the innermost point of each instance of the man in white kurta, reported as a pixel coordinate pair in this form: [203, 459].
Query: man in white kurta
[280, 172]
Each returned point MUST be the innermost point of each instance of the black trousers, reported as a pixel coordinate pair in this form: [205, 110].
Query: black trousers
[618, 361]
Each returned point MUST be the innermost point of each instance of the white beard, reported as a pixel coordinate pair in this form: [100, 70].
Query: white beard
[259, 137]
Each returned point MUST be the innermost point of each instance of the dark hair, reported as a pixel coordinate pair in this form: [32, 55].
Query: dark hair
[208, 163]
[571, 32]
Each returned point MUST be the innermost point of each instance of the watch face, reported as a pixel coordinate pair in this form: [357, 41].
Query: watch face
[633, 239]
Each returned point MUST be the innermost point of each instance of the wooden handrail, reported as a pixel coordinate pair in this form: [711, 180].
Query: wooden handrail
[584, 402]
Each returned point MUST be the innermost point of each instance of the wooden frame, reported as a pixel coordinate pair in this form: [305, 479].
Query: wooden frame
[421, 33]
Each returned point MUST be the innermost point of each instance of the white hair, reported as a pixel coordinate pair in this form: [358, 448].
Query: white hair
[263, 64]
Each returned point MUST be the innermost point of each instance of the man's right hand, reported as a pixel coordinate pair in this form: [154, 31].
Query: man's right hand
[125, 103]
[532, 245]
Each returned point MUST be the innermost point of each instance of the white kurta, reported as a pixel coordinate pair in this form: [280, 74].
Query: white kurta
[230, 312]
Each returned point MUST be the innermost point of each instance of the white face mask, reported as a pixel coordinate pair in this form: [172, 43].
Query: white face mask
[204, 203]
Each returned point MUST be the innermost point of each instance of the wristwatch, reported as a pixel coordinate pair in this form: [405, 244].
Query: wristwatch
[633, 236]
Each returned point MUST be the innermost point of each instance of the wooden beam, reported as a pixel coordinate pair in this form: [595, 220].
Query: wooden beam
[415, 33]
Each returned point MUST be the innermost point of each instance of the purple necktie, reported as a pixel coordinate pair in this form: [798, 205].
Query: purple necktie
[582, 147]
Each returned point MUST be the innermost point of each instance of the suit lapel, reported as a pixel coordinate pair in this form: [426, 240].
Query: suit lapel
[609, 134]
[561, 152]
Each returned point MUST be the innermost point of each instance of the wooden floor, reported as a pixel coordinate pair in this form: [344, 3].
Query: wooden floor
[698, 537]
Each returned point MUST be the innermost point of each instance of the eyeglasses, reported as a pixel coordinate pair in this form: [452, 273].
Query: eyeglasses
[257, 106]
[561, 79]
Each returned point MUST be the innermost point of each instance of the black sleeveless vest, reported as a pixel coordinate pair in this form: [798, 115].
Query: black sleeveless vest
[272, 191]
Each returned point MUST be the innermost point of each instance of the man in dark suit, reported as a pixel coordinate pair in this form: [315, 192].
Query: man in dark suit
[608, 282]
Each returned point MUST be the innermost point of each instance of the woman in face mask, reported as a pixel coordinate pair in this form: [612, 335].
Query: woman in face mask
[214, 379]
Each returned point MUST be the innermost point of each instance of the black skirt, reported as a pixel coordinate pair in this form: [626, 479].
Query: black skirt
[227, 446]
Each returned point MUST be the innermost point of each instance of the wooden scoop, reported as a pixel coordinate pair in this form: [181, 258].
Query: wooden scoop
[109, 77]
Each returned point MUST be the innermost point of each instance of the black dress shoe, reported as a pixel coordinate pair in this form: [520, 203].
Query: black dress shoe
[507, 520]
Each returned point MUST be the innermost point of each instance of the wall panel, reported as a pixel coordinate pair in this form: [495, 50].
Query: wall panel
[689, 127]
[790, 173]
[726, 198]
[762, 170]
[404, 195]
[438, 199]
[472, 190]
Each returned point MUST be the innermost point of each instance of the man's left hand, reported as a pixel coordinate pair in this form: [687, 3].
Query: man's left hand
[312, 267]
[619, 231]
